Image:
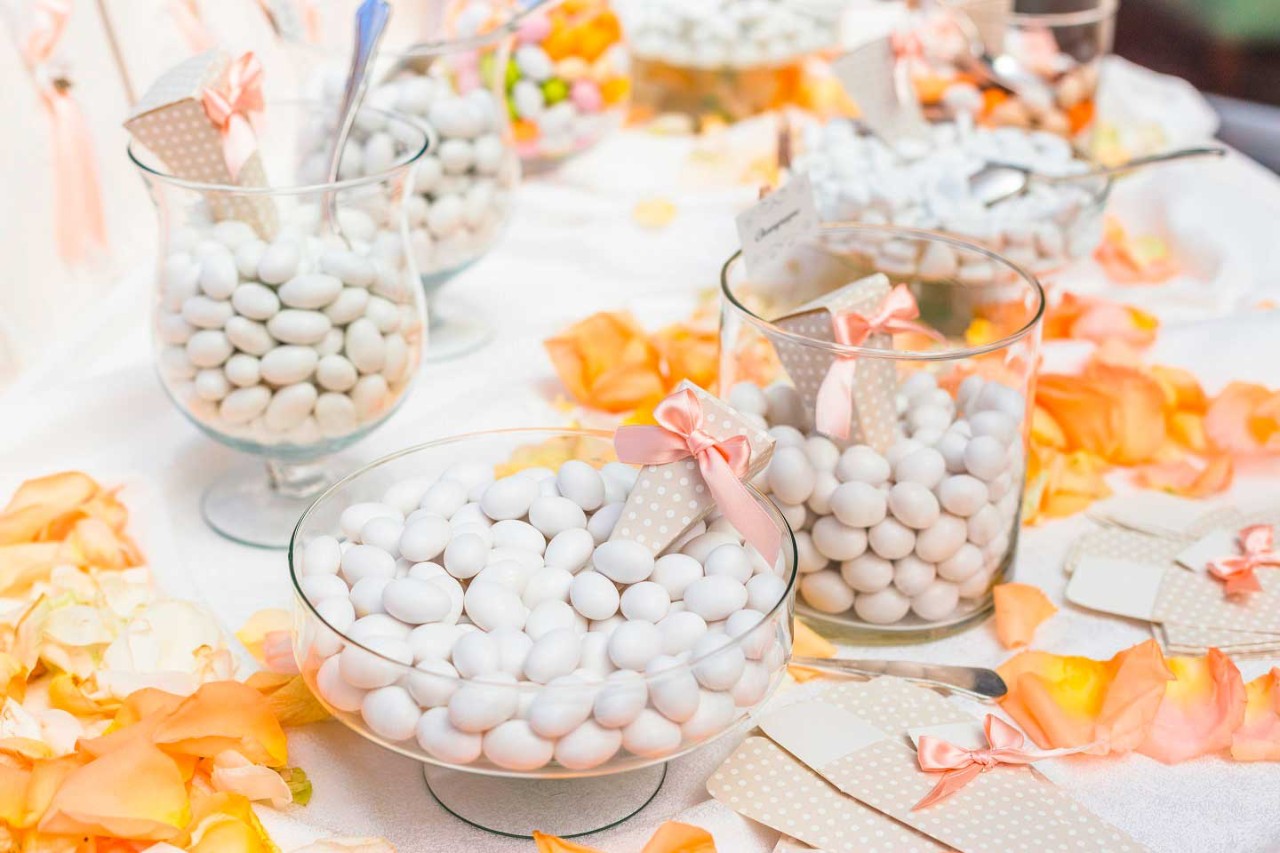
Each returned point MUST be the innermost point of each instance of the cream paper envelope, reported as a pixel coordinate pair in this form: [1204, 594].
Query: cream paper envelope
[761, 781]
[1008, 808]
[1198, 640]
[1164, 593]
[170, 121]
[1150, 512]
[873, 415]
[879, 85]
[669, 499]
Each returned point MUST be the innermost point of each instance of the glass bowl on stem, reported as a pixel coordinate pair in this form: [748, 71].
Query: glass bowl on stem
[465, 190]
[275, 335]
[594, 770]
[902, 541]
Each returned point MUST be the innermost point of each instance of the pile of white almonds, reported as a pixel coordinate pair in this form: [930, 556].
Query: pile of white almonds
[919, 533]
[495, 620]
[730, 33]
[925, 184]
[288, 342]
[462, 191]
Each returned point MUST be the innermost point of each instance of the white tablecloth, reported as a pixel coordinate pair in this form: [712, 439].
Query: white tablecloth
[573, 248]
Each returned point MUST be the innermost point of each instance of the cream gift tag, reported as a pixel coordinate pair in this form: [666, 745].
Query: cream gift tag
[669, 499]
[1008, 808]
[776, 224]
[761, 781]
[170, 120]
[873, 415]
[878, 84]
[1213, 546]
[990, 19]
[1169, 593]
[1150, 512]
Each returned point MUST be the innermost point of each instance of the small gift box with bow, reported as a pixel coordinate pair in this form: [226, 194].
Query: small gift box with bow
[196, 119]
[851, 398]
[697, 458]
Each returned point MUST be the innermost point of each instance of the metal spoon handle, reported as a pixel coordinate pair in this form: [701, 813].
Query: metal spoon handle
[983, 684]
[1139, 163]
[371, 23]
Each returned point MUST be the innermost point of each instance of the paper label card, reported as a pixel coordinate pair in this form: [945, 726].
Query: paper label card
[887, 103]
[1150, 512]
[669, 499]
[1193, 639]
[170, 121]
[1161, 593]
[777, 223]
[1008, 808]
[873, 414]
[1206, 549]
[763, 782]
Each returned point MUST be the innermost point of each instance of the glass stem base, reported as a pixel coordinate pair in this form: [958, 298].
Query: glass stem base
[251, 509]
[563, 807]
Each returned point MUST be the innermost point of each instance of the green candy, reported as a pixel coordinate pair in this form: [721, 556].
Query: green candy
[513, 74]
[555, 90]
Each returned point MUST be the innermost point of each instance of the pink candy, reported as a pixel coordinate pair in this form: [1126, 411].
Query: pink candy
[586, 96]
[534, 29]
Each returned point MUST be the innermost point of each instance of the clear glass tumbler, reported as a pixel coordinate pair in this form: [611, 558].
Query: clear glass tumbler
[903, 527]
[279, 335]
[593, 744]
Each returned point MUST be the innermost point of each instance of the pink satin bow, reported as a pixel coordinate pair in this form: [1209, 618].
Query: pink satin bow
[961, 766]
[723, 464]
[1257, 544]
[80, 227]
[835, 395]
[230, 106]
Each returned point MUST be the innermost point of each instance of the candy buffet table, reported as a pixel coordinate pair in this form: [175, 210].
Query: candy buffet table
[574, 248]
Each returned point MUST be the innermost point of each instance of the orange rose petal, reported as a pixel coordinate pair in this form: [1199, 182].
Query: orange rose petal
[224, 823]
[1045, 431]
[1258, 737]
[675, 837]
[1070, 701]
[39, 502]
[606, 361]
[805, 642]
[1244, 419]
[290, 700]
[91, 800]
[653, 213]
[224, 715]
[253, 634]
[689, 353]
[554, 844]
[1187, 479]
[1020, 608]
[13, 794]
[1201, 708]
[23, 564]
[1187, 429]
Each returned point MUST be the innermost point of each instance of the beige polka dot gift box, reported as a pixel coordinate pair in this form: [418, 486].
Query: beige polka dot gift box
[171, 122]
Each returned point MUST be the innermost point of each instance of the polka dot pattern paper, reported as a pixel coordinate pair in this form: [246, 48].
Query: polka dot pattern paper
[171, 122]
[668, 499]
[873, 414]
[761, 781]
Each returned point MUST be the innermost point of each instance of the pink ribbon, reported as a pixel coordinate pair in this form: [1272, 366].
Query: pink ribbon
[961, 766]
[1257, 543]
[723, 464]
[80, 227]
[835, 395]
[230, 106]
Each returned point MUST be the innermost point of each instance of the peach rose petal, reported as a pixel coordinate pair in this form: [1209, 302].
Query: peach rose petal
[689, 353]
[224, 715]
[806, 642]
[261, 631]
[1258, 738]
[91, 800]
[225, 823]
[347, 845]
[676, 837]
[40, 502]
[607, 361]
[290, 700]
[1020, 609]
[235, 774]
[1187, 478]
[1201, 709]
[1069, 701]
[1244, 419]
[555, 844]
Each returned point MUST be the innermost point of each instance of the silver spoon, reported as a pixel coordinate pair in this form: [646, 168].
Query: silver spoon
[985, 685]
[997, 182]
[371, 23]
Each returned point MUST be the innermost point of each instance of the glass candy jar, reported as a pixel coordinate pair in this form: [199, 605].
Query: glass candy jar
[432, 67]
[275, 334]
[903, 527]
[506, 746]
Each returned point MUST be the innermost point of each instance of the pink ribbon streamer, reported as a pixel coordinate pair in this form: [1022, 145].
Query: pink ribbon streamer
[1257, 550]
[835, 395]
[961, 766]
[79, 225]
[230, 106]
[186, 14]
[723, 464]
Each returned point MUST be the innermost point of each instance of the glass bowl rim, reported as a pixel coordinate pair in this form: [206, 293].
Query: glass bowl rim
[1102, 11]
[900, 355]
[547, 432]
[428, 145]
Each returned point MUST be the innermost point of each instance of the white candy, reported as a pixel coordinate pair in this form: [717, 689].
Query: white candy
[365, 561]
[680, 631]
[587, 746]
[321, 556]
[647, 601]
[570, 550]
[718, 661]
[764, 591]
[826, 591]
[863, 465]
[415, 601]
[621, 699]
[439, 739]
[791, 476]
[484, 702]
[913, 504]
[882, 608]
[715, 712]
[962, 495]
[941, 540]
[335, 690]
[633, 644]
[376, 667]
[390, 712]
[674, 572]
[564, 705]
[867, 573]
[509, 497]
[858, 504]
[553, 515]
[594, 595]
[891, 540]
[623, 561]
[651, 735]
[673, 690]
[937, 601]
[366, 595]
[465, 555]
[492, 606]
[582, 484]
[714, 598]
[554, 654]
[835, 541]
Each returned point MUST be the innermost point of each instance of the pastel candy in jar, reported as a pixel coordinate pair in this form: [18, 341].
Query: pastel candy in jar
[498, 628]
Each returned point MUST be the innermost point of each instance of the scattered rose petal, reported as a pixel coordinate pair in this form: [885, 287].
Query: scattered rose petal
[1187, 478]
[1201, 708]
[1258, 738]
[347, 845]
[806, 642]
[1020, 609]
[607, 362]
[1134, 259]
[676, 837]
[235, 774]
[1244, 419]
[653, 213]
